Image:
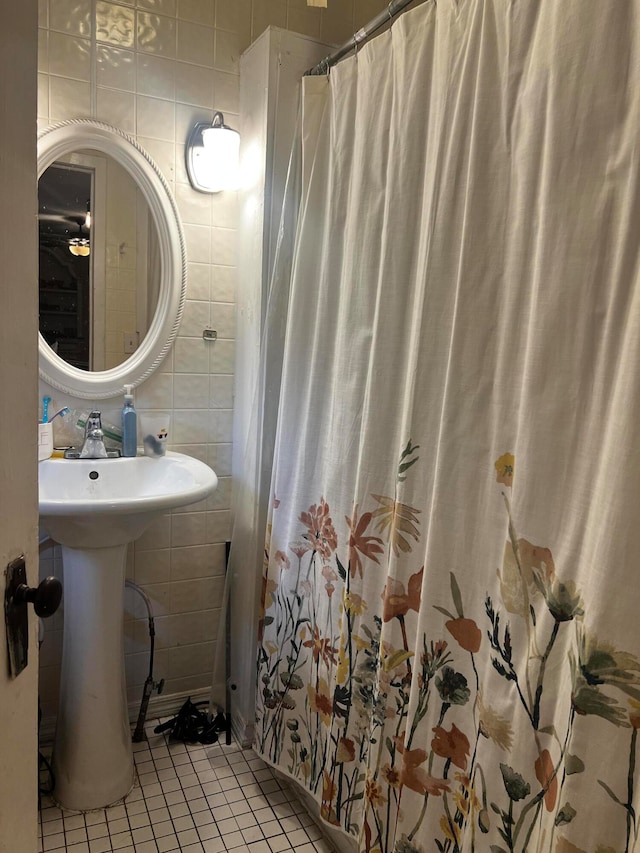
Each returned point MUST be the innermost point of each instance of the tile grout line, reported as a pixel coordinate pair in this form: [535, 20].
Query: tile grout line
[239, 779]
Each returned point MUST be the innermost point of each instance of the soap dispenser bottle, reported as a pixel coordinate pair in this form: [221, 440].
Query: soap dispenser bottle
[129, 424]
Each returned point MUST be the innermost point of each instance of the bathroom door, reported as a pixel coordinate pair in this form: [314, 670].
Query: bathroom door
[19, 389]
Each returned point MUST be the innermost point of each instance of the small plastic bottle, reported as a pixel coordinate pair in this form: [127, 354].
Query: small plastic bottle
[129, 424]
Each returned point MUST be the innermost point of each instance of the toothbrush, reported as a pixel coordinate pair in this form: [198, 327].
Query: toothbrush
[45, 409]
[65, 410]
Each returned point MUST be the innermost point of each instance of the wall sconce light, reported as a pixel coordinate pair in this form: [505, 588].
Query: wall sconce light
[212, 156]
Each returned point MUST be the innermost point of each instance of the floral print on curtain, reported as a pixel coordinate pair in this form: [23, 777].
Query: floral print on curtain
[399, 733]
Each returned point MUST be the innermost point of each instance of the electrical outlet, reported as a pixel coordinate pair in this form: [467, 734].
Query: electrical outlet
[130, 342]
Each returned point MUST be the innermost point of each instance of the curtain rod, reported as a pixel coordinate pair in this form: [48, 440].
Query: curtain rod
[393, 9]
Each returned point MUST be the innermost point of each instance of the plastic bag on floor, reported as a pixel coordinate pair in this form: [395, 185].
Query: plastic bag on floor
[191, 725]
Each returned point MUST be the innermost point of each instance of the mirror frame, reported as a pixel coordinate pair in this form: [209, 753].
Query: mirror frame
[62, 139]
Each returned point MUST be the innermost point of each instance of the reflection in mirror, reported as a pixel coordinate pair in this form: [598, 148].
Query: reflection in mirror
[99, 261]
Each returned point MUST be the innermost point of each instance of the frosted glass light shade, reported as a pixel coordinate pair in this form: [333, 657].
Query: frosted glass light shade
[213, 155]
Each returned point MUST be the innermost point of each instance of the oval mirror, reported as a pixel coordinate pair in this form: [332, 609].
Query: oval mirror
[112, 260]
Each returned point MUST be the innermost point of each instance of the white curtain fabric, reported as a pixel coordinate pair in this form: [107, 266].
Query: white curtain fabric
[450, 637]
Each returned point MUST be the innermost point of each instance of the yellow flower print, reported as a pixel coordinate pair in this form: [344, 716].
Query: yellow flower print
[343, 663]
[505, 467]
[354, 604]
[397, 519]
[450, 829]
[493, 726]
[361, 642]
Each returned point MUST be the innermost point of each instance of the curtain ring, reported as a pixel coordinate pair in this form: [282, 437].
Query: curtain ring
[359, 37]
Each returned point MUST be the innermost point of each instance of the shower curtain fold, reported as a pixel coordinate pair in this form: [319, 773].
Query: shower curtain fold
[448, 651]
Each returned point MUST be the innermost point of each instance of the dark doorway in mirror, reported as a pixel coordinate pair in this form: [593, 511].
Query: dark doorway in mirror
[64, 222]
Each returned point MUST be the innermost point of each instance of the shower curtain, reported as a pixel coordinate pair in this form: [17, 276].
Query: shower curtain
[449, 651]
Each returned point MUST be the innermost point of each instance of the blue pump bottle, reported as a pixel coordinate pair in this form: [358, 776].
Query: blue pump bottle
[129, 424]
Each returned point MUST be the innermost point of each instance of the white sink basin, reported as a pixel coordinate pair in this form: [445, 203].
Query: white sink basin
[96, 503]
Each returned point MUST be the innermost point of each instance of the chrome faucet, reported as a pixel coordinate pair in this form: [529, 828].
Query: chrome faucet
[93, 446]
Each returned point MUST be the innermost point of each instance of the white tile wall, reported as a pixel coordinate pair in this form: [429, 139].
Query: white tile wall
[152, 68]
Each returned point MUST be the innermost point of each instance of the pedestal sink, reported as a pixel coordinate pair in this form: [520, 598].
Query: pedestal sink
[93, 508]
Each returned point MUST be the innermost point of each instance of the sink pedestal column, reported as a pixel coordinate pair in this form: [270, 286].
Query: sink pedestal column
[92, 755]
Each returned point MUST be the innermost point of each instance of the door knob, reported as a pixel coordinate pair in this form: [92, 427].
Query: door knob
[45, 597]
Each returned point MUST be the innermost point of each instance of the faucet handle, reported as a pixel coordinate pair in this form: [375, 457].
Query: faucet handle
[94, 425]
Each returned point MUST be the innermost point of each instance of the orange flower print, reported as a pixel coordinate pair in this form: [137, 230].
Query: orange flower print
[282, 561]
[391, 776]
[399, 519]
[414, 776]
[453, 745]
[466, 632]
[546, 775]
[320, 531]
[373, 792]
[320, 701]
[300, 548]
[328, 793]
[322, 648]
[368, 546]
[398, 603]
[505, 469]
[346, 751]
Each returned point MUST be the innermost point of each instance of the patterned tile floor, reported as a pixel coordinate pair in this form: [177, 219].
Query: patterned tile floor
[191, 798]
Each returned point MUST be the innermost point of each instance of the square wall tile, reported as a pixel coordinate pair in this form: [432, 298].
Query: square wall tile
[71, 16]
[198, 240]
[115, 24]
[116, 68]
[189, 528]
[223, 283]
[117, 108]
[197, 561]
[69, 56]
[195, 44]
[223, 319]
[228, 49]
[68, 99]
[155, 118]
[219, 458]
[222, 356]
[198, 280]
[198, 11]
[191, 391]
[191, 355]
[156, 76]
[162, 7]
[224, 246]
[195, 318]
[236, 18]
[226, 89]
[156, 34]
